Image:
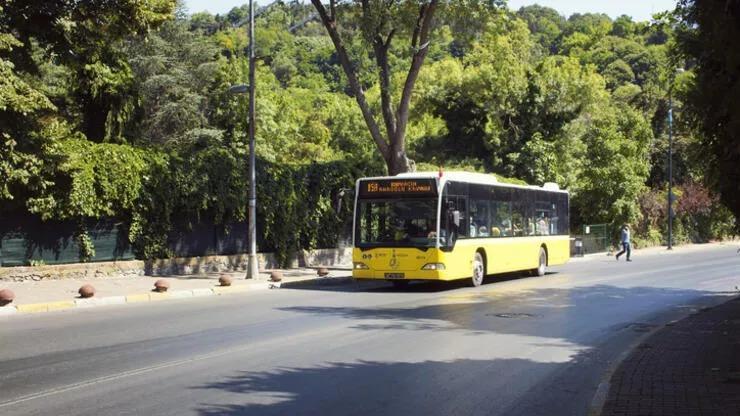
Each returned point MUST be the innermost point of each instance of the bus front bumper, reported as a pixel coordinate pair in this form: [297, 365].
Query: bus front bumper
[399, 275]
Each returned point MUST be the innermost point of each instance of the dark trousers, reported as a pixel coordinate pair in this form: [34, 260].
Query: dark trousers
[625, 249]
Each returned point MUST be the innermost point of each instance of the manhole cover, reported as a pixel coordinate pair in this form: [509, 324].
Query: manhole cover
[513, 315]
[640, 327]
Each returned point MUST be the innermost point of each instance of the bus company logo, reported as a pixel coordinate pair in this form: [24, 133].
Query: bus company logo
[393, 263]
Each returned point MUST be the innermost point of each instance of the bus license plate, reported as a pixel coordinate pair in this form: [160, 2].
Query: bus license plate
[394, 276]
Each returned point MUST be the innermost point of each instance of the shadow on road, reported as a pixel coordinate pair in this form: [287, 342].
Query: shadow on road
[370, 388]
[420, 286]
[450, 354]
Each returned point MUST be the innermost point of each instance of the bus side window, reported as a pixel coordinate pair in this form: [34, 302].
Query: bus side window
[519, 212]
[480, 225]
[463, 230]
[500, 212]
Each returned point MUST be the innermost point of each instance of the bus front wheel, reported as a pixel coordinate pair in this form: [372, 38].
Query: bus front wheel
[479, 270]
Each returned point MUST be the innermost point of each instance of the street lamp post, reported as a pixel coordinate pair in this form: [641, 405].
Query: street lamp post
[252, 265]
[670, 169]
[670, 157]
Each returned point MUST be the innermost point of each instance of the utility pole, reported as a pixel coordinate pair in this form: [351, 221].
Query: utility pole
[670, 169]
[670, 155]
[252, 266]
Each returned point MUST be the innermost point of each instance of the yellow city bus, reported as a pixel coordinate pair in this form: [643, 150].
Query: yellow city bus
[456, 225]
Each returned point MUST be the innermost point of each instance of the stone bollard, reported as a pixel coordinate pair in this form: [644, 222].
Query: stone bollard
[276, 275]
[6, 296]
[86, 291]
[161, 285]
[322, 271]
[225, 280]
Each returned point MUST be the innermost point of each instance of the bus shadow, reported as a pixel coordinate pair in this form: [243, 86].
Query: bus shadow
[421, 286]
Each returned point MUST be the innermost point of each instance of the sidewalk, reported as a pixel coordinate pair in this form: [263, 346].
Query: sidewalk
[52, 295]
[652, 250]
[690, 367]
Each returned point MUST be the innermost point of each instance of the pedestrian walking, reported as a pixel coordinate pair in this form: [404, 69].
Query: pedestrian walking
[624, 238]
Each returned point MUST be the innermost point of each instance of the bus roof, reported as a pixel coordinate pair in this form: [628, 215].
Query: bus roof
[470, 177]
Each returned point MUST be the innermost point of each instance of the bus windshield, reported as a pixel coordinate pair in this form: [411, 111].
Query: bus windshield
[396, 222]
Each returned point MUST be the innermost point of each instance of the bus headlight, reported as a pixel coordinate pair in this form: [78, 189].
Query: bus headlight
[433, 266]
[360, 266]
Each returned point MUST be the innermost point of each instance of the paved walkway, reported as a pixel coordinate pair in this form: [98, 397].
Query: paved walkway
[48, 295]
[690, 367]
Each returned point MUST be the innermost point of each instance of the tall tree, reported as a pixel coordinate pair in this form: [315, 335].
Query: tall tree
[708, 37]
[380, 22]
[85, 37]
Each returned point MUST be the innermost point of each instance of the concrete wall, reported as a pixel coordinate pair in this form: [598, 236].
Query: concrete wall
[100, 270]
[238, 262]
[336, 257]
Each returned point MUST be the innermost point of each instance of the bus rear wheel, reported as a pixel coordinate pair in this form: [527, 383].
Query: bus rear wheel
[541, 263]
[479, 270]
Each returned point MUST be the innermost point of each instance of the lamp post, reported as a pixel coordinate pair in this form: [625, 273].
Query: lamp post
[252, 266]
[670, 158]
[670, 168]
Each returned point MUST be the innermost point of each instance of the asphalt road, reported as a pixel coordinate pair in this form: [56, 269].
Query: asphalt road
[515, 346]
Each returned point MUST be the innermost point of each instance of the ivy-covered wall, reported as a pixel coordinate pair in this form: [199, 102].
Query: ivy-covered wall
[298, 207]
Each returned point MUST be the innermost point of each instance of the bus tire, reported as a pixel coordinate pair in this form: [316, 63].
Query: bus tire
[541, 263]
[479, 270]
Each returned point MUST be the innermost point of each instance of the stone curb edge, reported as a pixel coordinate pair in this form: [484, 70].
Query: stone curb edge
[33, 308]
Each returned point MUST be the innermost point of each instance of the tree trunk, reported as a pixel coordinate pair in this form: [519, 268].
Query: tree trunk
[400, 163]
[392, 147]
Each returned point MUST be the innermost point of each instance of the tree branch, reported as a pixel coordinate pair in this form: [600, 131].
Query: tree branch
[354, 83]
[389, 38]
[420, 43]
[386, 102]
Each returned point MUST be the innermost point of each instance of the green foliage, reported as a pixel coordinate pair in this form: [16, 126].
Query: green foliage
[21, 105]
[298, 204]
[200, 177]
[91, 179]
[707, 36]
[544, 23]
[607, 189]
[85, 244]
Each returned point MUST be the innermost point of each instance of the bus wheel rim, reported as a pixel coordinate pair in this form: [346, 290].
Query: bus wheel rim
[541, 267]
[477, 270]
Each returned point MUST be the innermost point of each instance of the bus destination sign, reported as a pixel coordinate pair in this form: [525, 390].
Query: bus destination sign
[382, 188]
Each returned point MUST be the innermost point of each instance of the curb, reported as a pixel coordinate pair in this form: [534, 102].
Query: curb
[34, 308]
